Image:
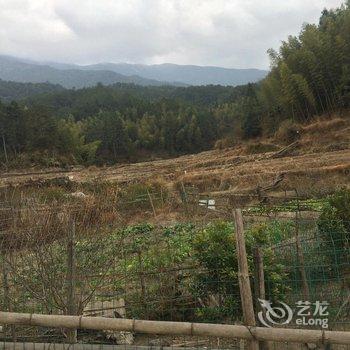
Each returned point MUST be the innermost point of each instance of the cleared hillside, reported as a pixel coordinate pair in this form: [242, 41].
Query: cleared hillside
[317, 163]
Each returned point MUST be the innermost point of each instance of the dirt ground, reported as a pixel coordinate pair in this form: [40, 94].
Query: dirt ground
[319, 162]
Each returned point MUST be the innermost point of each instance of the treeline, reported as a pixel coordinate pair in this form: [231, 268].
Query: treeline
[122, 97]
[10, 90]
[310, 75]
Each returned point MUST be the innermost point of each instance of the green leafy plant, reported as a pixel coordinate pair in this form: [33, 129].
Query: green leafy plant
[218, 288]
[334, 226]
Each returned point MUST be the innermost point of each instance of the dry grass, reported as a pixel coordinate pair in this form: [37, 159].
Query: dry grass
[260, 147]
[321, 163]
[326, 135]
[321, 126]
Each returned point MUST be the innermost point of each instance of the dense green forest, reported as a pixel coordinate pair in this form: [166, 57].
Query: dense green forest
[105, 124]
[10, 90]
[310, 75]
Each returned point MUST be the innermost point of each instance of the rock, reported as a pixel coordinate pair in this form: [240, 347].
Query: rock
[78, 195]
[121, 338]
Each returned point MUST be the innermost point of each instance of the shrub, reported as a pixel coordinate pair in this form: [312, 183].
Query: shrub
[334, 225]
[287, 132]
[226, 142]
[259, 147]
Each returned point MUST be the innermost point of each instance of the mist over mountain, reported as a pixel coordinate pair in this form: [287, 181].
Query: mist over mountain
[71, 75]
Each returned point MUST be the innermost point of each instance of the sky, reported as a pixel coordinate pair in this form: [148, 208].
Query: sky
[226, 33]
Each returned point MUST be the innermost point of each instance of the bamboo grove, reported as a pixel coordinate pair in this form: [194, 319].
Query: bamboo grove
[311, 73]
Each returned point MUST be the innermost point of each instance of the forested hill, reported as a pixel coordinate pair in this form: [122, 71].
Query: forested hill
[10, 90]
[310, 75]
[83, 103]
[107, 124]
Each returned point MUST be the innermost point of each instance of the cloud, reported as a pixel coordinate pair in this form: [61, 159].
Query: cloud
[231, 33]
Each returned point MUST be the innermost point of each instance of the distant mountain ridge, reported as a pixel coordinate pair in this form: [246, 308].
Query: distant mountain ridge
[16, 70]
[188, 74]
[78, 76]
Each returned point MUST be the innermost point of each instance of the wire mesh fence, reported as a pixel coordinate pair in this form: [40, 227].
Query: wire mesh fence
[316, 266]
[80, 259]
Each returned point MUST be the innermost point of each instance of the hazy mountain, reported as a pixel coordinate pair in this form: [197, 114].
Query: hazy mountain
[188, 74]
[13, 69]
[71, 75]
[182, 74]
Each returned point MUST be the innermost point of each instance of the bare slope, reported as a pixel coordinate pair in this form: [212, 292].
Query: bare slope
[318, 162]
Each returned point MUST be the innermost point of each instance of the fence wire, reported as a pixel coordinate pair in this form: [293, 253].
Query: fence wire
[79, 259]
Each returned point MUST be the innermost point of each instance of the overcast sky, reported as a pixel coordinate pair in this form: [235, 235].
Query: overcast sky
[228, 33]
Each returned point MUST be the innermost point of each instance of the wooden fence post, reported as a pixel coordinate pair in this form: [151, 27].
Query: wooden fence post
[71, 283]
[259, 286]
[301, 261]
[259, 273]
[6, 289]
[243, 277]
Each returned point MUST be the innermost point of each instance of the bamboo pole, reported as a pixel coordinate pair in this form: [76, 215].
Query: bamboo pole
[177, 328]
[152, 205]
[243, 276]
[71, 276]
[259, 286]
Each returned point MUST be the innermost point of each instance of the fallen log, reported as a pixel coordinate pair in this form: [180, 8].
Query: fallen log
[285, 151]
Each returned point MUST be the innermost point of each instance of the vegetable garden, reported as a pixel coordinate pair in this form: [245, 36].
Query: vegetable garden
[70, 261]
